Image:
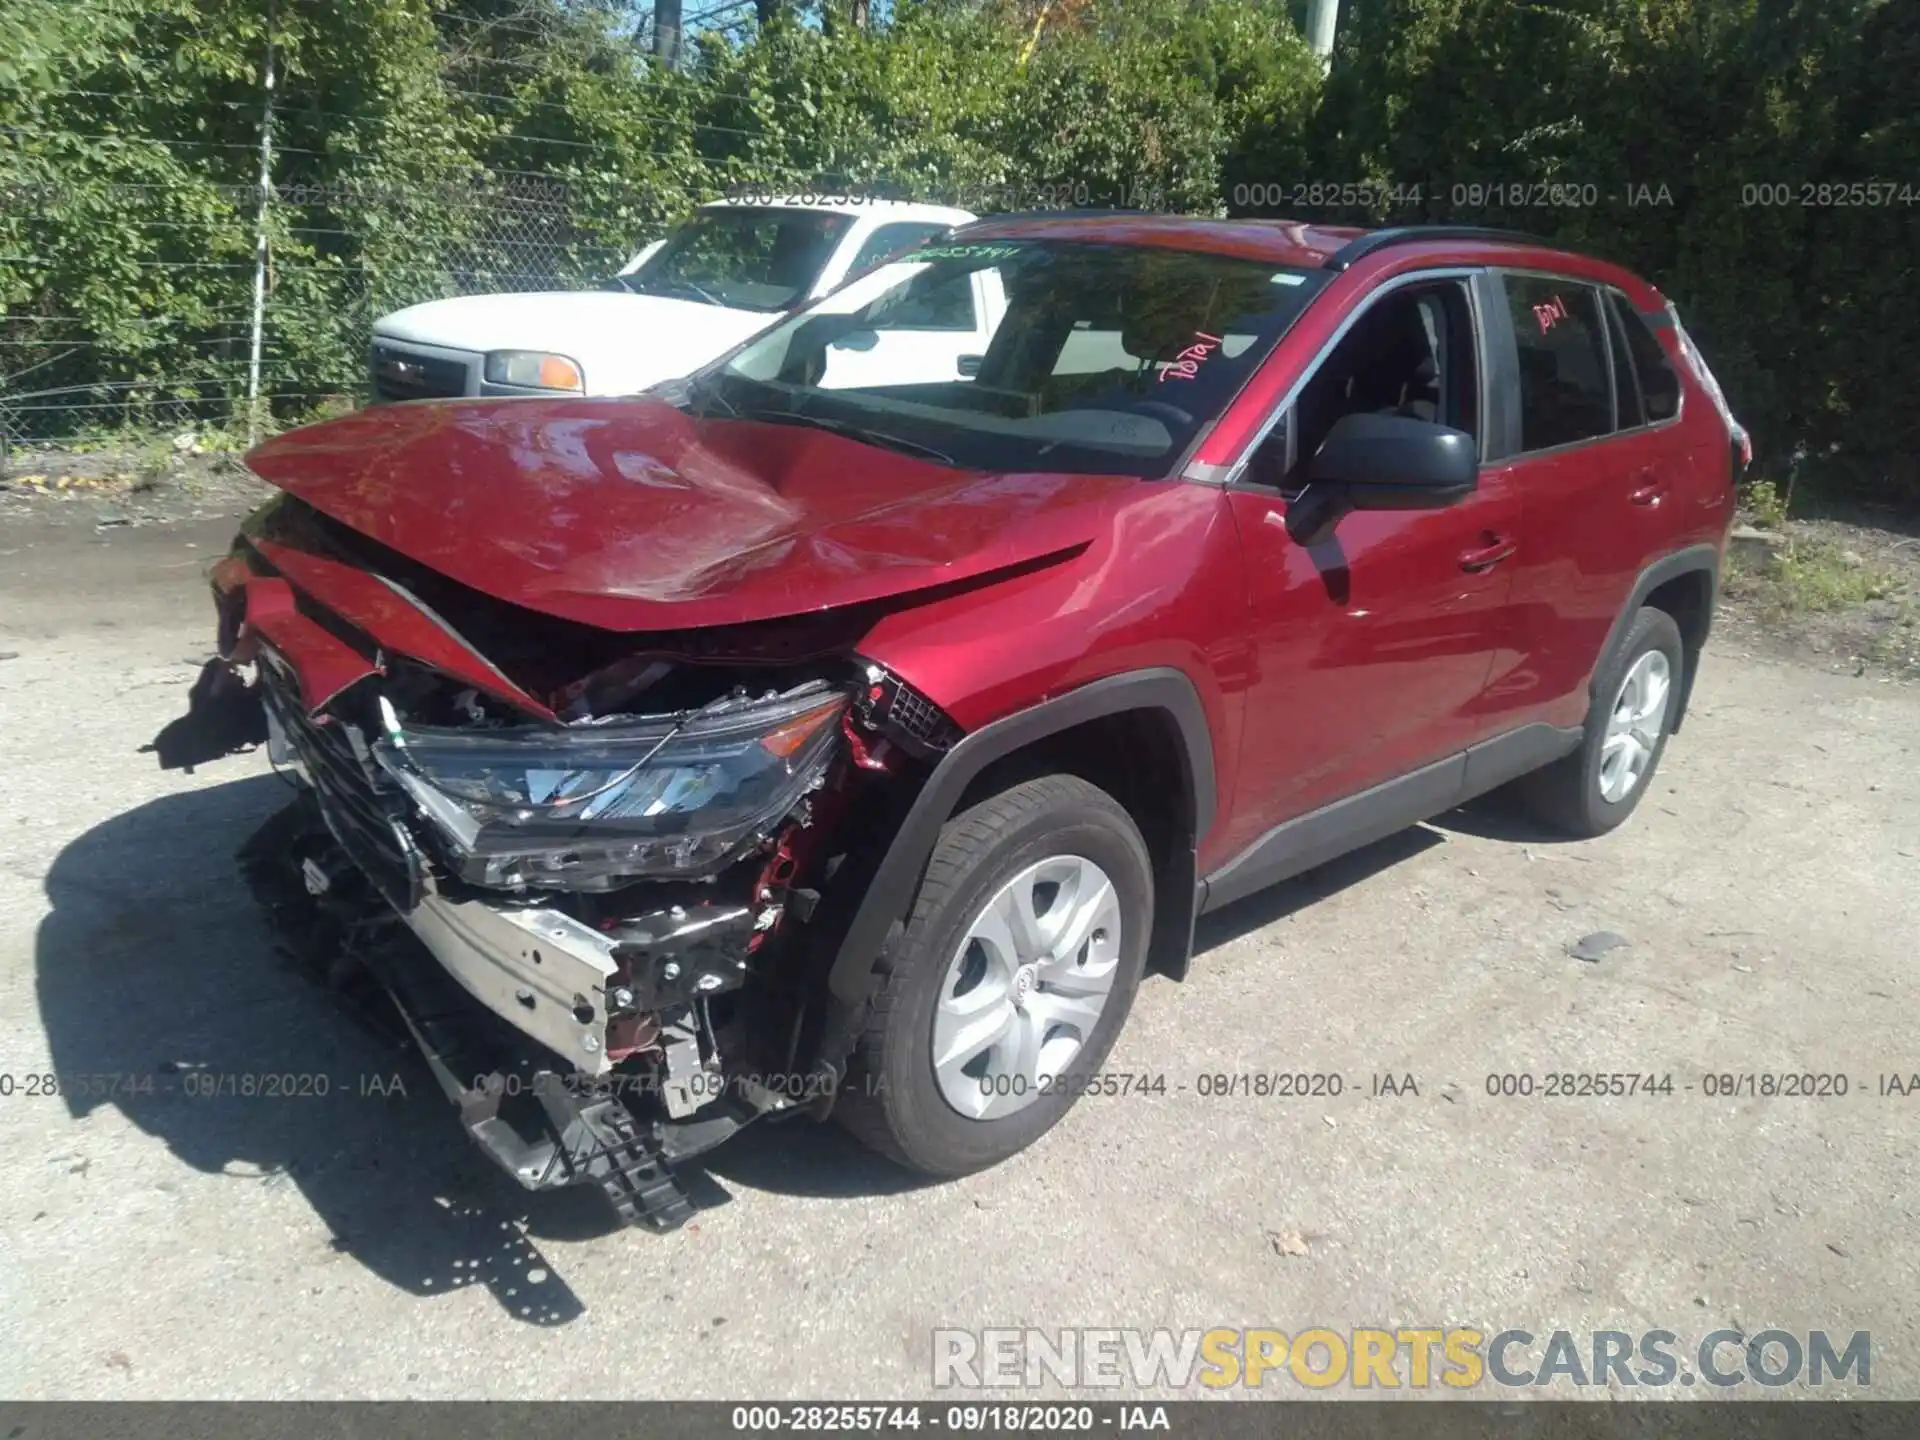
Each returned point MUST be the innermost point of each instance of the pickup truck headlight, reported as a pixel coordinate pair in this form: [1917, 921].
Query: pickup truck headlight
[595, 804]
[534, 369]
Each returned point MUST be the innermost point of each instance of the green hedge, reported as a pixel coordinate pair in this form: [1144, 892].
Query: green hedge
[1750, 135]
[425, 147]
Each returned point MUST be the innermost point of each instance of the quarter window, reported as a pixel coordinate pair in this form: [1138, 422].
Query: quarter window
[1566, 393]
[1659, 383]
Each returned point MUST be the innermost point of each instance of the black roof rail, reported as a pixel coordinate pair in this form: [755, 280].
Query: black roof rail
[1373, 240]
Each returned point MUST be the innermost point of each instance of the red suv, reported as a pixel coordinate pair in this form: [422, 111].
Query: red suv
[791, 741]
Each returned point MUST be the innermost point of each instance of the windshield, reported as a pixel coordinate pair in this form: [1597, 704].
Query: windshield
[749, 259]
[1021, 354]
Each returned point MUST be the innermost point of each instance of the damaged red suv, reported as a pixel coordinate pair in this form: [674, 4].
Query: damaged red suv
[792, 741]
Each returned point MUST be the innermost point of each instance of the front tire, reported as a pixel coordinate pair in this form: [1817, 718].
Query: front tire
[1015, 972]
[1598, 786]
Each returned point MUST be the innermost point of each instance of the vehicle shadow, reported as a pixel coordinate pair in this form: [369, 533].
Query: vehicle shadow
[1500, 816]
[163, 994]
[154, 966]
[797, 1157]
[1268, 907]
[802, 1159]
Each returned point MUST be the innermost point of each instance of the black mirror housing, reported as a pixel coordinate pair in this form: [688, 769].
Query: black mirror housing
[1396, 462]
[1382, 462]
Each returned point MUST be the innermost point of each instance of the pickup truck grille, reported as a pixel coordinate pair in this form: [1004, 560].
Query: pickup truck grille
[366, 823]
[406, 375]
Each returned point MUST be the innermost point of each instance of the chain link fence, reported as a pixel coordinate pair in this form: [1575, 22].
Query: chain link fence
[337, 256]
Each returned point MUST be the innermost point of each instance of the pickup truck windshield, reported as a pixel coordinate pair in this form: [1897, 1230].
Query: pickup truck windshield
[742, 258]
[1021, 354]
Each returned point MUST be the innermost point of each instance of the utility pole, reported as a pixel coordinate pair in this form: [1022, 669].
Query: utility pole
[260, 238]
[1323, 18]
[666, 32]
[1039, 23]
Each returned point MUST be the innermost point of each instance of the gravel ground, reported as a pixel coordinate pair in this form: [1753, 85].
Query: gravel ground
[154, 1244]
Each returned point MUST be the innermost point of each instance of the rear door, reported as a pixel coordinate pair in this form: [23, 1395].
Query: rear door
[1588, 449]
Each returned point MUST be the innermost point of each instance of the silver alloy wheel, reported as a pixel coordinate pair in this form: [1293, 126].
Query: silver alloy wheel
[1026, 986]
[1634, 728]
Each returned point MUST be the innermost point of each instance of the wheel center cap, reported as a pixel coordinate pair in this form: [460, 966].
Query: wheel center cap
[1024, 980]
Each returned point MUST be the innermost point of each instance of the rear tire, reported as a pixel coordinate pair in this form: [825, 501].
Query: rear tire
[970, 959]
[1598, 786]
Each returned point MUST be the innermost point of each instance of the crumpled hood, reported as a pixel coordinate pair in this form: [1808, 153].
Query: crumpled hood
[630, 515]
[622, 341]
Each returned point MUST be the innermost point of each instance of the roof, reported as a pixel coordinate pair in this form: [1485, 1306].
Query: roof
[855, 205]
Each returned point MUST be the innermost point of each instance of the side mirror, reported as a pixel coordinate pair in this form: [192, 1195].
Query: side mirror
[856, 340]
[807, 345]
[969, 365]
[646, 254]
[1382, 462]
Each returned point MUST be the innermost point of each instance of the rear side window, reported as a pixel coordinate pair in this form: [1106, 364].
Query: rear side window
[1566, 395]
[1659, 385]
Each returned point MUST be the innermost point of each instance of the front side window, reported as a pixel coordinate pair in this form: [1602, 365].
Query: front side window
[1566, 395]
[1107, 358]
[743, 258]
[1411, 353]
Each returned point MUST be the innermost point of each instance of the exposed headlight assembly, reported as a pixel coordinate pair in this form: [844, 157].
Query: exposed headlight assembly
[534, 369]
[598, 803]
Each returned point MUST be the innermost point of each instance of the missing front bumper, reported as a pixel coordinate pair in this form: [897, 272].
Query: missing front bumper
[543, 1121]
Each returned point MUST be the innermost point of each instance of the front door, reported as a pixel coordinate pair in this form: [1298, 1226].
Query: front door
[1371, 648]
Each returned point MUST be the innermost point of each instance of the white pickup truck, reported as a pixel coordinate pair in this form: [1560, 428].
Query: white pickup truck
[730, 270]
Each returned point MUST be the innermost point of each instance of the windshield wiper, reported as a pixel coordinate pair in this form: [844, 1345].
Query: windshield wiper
[706, 295]
[882, 438]
[702, 396]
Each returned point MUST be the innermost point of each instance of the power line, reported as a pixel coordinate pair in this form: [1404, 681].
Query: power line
[297, 111]
[6, 319]
[94, 342]
[690, 21]
[548, 176]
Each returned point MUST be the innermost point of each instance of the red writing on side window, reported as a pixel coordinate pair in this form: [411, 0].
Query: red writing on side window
[1186, 364]
[1550, 314]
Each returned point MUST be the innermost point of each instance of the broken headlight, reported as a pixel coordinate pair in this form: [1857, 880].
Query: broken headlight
[589, 806]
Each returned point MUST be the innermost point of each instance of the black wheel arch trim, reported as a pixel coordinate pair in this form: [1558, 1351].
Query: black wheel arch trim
[1161, 688]
[1701, 558]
